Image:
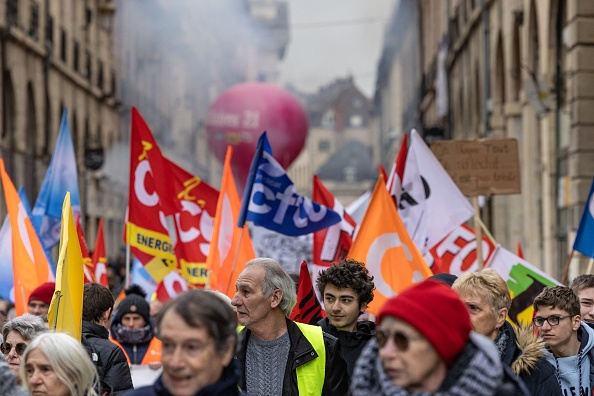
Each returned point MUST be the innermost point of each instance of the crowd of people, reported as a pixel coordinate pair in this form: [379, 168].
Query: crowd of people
[446, 335]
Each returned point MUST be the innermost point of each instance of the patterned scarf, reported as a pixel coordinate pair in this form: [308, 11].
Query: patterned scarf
[474, 374]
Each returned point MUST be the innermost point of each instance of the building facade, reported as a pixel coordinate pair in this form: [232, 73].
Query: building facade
[516, 69]
[342, 146]
[58, 55]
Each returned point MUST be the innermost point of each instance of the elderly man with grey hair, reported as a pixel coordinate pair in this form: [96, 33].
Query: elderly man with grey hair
[279, 356]
[17, 334]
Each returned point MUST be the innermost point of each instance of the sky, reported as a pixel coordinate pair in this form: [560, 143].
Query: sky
[334, 38]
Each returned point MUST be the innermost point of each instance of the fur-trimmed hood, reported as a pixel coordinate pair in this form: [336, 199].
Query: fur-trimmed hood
[531, 348]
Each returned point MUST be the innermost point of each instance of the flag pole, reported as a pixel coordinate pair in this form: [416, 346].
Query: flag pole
[57, 310]
[478, 231]
[487, 233]
[127, 280]
[234, 261]
[566, 270]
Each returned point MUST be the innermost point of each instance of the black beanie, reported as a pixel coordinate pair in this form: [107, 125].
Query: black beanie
[134, 303]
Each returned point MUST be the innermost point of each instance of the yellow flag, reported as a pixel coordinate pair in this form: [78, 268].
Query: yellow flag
[65, 312]
[387, 250]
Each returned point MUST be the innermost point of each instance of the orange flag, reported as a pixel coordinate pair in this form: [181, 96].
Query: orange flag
[387, 250]
[88, 267]
[229, 249]
[29, 263]
[99, 259]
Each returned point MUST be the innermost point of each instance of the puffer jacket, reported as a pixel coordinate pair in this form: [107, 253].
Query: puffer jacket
[109, 359]
[524, 352]
[351, 342]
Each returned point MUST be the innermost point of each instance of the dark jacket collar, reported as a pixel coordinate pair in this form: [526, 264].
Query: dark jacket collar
[94, 329]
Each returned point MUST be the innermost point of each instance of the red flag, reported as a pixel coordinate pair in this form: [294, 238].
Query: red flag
[394, 182]
[382, 171]
[88, 267]
[456, 253]
[99, 258]
[519, 249]
[331, 244]
[308, 309]
[166, 202]
[172, 285]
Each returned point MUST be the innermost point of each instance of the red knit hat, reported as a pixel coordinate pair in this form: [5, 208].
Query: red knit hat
[437, 312]
[44, 293]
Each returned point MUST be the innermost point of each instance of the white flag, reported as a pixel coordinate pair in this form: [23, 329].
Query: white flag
[430, 204]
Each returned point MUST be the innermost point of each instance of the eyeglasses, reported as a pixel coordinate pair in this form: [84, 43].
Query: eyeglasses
[553, 320]
[401, 340]
[19, 348]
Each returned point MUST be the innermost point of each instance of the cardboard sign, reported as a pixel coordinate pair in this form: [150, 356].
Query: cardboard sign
[481, 167]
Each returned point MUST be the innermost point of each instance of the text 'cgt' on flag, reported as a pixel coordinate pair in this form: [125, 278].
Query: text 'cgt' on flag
[270, 200]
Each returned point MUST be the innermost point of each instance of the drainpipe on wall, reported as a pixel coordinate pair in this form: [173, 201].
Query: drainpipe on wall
[46, 67]
[486, 69]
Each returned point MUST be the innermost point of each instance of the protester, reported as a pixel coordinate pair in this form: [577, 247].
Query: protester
[583, 287]
[134, 331]
[5, 307]
[198, 330]
[56, 364]
[109, 359]
[17, 334]
[488, 300]
[311, 359]
[8, 381]
[424, 345]
[155, 308]
[346, 289]
[40, 299]
[569, 341]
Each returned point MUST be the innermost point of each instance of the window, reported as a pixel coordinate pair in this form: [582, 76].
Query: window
[34, 19]
[100, 75]
[12, 12]
[49, 31]
[63, 45]
[76, 56]
[328, 119]
[113, 83]
[89, 66]
[323, 146]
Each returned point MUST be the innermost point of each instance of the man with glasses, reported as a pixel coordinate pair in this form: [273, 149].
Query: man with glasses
[583, 287]
[569, 341]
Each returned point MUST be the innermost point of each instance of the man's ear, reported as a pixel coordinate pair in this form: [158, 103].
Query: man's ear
[107, 314]
[275, 298]
[363, 308]
[576, 322]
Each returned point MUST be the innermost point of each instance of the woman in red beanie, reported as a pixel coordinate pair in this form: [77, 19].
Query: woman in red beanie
[424, 345]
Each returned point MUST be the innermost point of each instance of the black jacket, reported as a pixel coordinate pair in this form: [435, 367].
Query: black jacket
[110, 360]
[336, 380]
[524, 354]
[225, 386]
[351, 342]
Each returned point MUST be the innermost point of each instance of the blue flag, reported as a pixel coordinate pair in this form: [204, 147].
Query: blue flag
[61, 177]
[584, 240]
[270, 199]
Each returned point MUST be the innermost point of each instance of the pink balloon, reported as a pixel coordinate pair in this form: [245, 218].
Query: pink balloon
[240, 115]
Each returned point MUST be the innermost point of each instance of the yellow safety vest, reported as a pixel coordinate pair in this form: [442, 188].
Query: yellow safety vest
[310, 376]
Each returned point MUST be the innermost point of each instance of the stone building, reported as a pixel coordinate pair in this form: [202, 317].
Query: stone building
[519, 69]
[342, 145]
[56, 55]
